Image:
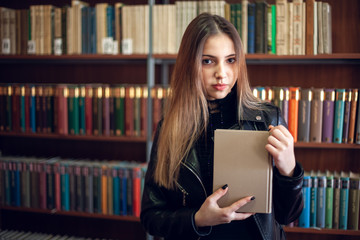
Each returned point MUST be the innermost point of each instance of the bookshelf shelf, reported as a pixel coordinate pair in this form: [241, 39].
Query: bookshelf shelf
[327, 145]
[253, 59]
[72, 137]
[71, 213]
[322, 231]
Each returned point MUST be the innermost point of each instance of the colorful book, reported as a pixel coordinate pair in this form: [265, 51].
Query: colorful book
[354, 100]
[347, 106]
[313, 203]
[354, 198]
[316, 115]
[344, 201]
[293, 111]
[305, 103]
[329, 200]
[321, 203]
[304, 219]
[336, 200]
[328, 115]
[119, 102]
[339, 115]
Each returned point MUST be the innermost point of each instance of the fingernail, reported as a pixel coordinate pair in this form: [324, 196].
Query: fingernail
[252, 198]
[224, 187]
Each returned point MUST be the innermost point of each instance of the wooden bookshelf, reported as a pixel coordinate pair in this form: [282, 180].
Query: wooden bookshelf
[338, 70]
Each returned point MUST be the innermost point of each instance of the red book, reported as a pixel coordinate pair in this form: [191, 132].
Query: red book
[57, 185]
[88, 109]
[62, 93]
[293, 111]
[136, 190]
[106, 111]
[144, 114]
[157, 95]
[129, 111]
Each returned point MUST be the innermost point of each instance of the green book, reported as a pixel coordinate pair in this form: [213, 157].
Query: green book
[137, 111]
[354, 196]
[329, 200]
[273, 29]
[119, 110]
[73, 110]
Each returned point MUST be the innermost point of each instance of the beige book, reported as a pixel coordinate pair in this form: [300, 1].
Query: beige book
[242, 162]
[281, 27]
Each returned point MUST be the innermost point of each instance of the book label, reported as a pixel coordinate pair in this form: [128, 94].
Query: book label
[127, 46]
[58, 46]
[5, 46]
[31, 47]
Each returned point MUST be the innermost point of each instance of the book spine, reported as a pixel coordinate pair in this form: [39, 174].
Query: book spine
[354, 195]
[251, 28]
[321, 203]
[354, 100]
[116, 191]
[328, 115]
[329, 201]
[120, 111]
[347, 105]
[339, 115]
[344, 201]
[106, 111]
[109, 190]
[293, 112]
[313, 204]
[316, 115]
[89, 110]
[304, 219]
[304, 115]
[136, 171]
[336, 202]
[82, 117]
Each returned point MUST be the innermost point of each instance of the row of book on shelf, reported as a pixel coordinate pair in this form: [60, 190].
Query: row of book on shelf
[284, 28]
[90, 109]
[331, 200]
[6, 234]
[102, 187]
[317, 114]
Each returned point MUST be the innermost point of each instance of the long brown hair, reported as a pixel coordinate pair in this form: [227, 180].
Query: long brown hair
[186, 113]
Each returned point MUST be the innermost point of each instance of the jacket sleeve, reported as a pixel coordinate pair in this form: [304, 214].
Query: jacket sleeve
[158, 215]
[287, 191]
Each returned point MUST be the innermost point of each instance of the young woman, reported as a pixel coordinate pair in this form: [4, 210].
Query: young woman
[210, 90]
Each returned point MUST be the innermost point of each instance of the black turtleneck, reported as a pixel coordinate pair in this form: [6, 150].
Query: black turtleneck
[222, 115]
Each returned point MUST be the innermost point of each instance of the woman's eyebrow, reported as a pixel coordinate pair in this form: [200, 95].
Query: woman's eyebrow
[211, 56]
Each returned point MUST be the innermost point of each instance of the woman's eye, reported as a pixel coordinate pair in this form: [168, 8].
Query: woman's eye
[231, 60]
[207, 61]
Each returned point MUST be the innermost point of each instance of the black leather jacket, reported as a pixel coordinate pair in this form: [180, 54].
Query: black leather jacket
[170, 213]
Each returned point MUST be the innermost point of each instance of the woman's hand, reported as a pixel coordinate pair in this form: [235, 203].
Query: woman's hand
[210, 214]
[281, 147]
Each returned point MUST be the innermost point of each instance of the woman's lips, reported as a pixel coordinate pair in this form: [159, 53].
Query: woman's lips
[220, 87]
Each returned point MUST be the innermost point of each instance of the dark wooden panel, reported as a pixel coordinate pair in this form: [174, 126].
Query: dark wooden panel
[71, 225]
[42, 147]
[316, 75]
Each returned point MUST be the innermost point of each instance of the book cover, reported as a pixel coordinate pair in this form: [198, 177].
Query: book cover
[339, 115]
[305, 103]
[328, 115]
[106, 111]
[313, 203]
[352, 119]
[281, 27]
[97, 110]
[316, 121]
[119, 110]
[309, 49]
[87, 173]
[129, 110]
[293, 111]
[136, 172]
[253, 169]
[251, 28]
[137, 111]
[344, 201]
[336, 200]
[304, 219]
[73, 110]
[354, 196]
[347, 105]
[116, 190]
[321, 203]
[65, 187]
[82, 116]
[89, 110]
[329, 200]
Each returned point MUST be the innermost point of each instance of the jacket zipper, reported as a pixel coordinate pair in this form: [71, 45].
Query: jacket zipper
[185, 193]
[198, 178]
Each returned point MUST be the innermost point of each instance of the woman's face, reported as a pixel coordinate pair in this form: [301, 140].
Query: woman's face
[219, 66]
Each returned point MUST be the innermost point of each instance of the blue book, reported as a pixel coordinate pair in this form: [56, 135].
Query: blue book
[92, 16]
[339, 115]
[123, 190]
[110, 20]
[344, 201]
[313, 203]
[321, 203]
[304, 219]
[17, 194]
[251, 27]
[84, 30]
[65, 187]
[32, 109]
[116, 190]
